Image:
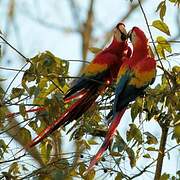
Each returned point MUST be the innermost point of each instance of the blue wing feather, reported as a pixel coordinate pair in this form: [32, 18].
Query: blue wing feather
[121, 85]
[125, 93]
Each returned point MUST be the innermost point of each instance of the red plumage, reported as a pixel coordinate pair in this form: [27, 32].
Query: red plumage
[97, 76]
[135, 74]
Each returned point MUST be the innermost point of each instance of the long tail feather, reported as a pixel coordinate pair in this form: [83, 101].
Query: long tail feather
[77, 95]
[74, 112]
[10, 115]
[107, 140]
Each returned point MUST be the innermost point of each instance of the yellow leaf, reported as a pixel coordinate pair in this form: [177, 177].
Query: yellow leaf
[119, 176]
[177, 132]
[164, 43]
[94, 50]
[82, 169]
[162, 8]
[92, 142]
[159, 6]
[161, 26]
[146, 156]
[163, 11]
[90, 175]
[22, 109]
[14, 168]
[45, 151]
[160, 51]
[24, 134]
[115, 154]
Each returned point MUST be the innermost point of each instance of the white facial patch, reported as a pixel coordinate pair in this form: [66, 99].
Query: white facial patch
[122, 29]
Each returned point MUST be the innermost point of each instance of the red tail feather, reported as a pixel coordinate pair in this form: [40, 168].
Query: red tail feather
[74, 112]
[107, 140]
[78, 95]
[10, 115]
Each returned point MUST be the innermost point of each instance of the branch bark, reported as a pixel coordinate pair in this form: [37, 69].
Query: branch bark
[87, 32]
[161, 154]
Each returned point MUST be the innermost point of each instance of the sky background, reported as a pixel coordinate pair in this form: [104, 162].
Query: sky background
[31, 37]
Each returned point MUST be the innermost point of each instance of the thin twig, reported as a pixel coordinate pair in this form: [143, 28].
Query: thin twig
[159, 59]
[24, 57]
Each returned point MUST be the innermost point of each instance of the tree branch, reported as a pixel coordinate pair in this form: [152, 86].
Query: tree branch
[161, 154]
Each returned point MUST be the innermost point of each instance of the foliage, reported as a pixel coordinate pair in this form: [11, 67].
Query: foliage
[44, 84]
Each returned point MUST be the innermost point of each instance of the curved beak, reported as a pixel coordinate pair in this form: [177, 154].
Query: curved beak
[123, 36]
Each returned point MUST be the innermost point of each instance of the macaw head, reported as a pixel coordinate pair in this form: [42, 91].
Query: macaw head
[138, 38]
[140, 42]
[120, 33]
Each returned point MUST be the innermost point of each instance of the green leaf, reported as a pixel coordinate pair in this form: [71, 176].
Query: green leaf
[178, 173]
[95, 50]
[45, 151]
[161, 26]
[22, 110]
[3, 115]
[164, 44]
[115, 154]
[163, 11]
[151, 149]
[119, 176]
[165, 176]
[151, 139]
[173, 1]
[160, 51]
[33, 125]
[1, 79]
[162, 8]
[134, 111]
[17, 92]
[82, 169]
[3, 147]
[119, 143]
[146, 156]
[136, 108]
[134, 133]
[24, 134]
[45, 71]
[92, 142]
[159, 6]
[90, 175]
[131, 156]
[14, 168]
[177, 133]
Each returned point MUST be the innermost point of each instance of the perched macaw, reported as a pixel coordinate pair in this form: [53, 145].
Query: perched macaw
[96, 77]
[135, 74]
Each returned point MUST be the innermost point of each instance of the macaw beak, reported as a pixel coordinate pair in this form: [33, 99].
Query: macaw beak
[123, 36]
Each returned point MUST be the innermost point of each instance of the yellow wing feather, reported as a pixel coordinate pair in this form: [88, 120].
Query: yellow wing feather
[95, 68]
[142, 78]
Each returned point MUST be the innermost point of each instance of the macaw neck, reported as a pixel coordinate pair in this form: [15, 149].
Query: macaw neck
[116, 47]
[140, 52]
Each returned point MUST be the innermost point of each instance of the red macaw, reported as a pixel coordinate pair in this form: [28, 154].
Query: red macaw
[96, 77]
[135, 74]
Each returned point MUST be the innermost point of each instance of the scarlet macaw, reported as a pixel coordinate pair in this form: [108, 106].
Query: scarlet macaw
[96, 77]
[134, 76]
